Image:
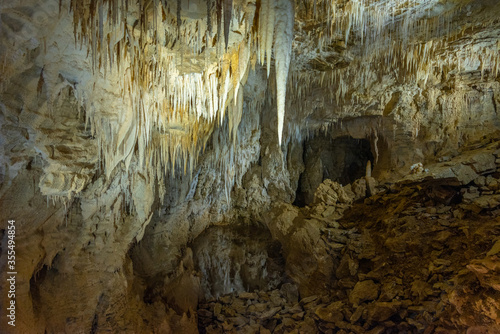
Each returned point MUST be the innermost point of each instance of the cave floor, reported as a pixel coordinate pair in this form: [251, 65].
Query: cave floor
[415, 258]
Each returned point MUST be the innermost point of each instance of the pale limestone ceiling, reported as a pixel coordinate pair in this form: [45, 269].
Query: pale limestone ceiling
[154, 80]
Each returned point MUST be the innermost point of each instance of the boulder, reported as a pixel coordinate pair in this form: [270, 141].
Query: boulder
[330, 192]
[381, 311]
[331, 313]
[364, 291]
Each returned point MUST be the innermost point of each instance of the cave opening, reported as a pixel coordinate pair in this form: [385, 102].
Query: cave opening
[237, 258]
[342, 159]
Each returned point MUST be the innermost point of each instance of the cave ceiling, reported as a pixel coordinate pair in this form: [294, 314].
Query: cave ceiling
[144, 86]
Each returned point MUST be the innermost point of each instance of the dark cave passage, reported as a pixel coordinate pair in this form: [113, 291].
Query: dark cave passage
[246, 259]
[342, 160]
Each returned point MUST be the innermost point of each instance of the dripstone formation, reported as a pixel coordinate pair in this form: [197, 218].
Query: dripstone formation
[254, 166]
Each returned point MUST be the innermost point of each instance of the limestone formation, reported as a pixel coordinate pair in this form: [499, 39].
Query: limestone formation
[220, 166]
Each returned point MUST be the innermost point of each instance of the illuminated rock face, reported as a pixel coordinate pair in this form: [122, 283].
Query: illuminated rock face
[128, 128]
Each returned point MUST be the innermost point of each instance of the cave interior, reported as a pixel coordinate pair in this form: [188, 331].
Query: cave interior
[250, 166]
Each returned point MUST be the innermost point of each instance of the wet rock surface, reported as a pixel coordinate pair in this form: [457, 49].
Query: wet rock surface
[416, 257]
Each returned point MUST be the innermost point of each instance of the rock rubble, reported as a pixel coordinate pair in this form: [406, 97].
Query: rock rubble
[416, 257]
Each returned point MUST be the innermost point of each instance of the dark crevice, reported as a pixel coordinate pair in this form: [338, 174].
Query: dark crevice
[342, 160]
[35, 281]
[95, 323]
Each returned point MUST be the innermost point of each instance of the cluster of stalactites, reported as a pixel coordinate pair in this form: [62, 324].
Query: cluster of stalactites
[408, 39]
[179, 79]
[180, 73]
[367, 21]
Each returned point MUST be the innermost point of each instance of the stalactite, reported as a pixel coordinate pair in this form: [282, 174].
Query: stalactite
[179, 20]
[219, 19]
[269, 33]
[228, 13]
[174, 107]
[266, 32]
[283, 52]
[209, 19]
